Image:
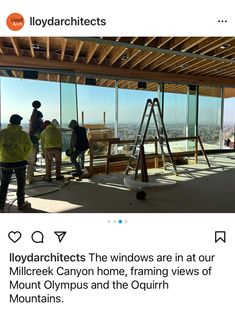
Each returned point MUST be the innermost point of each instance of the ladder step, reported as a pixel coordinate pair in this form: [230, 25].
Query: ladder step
[129, 168]
[134, 156]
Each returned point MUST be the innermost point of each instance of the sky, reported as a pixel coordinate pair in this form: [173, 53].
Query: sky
[17, 96]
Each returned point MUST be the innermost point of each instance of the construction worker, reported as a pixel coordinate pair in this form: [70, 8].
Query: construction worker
[15, 147]
[51, 143]
[35, 124]
[78, 146]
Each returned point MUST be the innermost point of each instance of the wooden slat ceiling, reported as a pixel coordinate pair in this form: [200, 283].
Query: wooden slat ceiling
[188, 60]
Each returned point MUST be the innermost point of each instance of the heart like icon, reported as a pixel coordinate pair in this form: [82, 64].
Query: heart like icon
[14, 236]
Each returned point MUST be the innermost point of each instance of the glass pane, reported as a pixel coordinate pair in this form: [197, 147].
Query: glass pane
[192, 116]
[96, 104]
[175, 110]
[209, 117]
[96, 113]
[17, 96]
[229, 118]
[68, 103]
[131, 109]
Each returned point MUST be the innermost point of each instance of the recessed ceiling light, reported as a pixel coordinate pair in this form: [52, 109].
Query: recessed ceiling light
[35, 46]
[124, 57]
[226, 45]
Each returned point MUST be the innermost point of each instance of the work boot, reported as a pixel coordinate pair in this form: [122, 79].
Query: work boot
[25, 205]
[77, 174]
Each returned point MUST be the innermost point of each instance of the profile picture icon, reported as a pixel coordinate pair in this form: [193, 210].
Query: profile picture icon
[15, 21]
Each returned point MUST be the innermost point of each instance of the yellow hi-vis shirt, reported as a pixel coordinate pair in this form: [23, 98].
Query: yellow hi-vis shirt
[51, 137]
[15, 144]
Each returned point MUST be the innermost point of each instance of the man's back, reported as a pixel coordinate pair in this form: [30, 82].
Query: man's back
[15, 144]
[51, 137]
[82, 143]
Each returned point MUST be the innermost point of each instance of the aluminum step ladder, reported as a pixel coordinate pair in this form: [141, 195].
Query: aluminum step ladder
[137, 159]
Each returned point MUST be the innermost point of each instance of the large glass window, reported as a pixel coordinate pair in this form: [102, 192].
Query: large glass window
[229, 117]
[96, 113]
[209, 117]
[175, 114]
[131, 109]
[17, 96]
[175, 110]
[68, 103]
[96, 105]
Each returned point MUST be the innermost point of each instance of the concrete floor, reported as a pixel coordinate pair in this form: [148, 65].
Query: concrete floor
[197, 188]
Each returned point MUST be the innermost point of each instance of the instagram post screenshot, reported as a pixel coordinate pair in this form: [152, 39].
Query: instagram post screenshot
[117, 155]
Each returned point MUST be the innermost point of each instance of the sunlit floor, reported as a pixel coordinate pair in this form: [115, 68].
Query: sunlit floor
[197, 188]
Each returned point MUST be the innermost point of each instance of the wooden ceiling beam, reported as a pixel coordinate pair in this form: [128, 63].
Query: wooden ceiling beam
[104, 53]
[31, 47]
[48, 47]
[226, 52]
[135, 52]
[217, 45]
[77, 79]
[191, 42]
[143, 59]
[130, 56]
[109, 72]
[63, 48]
[157, 50]
[117, 54]
[215, 67]
[198, 67]
[99, 82]
[176, 41]
[154, 65]
[102, 82]
[15, 44]
[91, 51]
[174, 63]
[204, 44]
[189, 65]
[182, 63]
[1, 46]
[109, 83]
[229, 75]
[223, 71]
[125, 84]
[162, 41]
[14, 73]
[121, 83]
[77, 50]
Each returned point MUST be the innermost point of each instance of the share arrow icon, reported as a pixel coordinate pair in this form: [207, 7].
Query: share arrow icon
[60, 235]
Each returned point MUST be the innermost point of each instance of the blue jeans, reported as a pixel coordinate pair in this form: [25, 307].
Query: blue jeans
[78, 166]
[5, 181]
